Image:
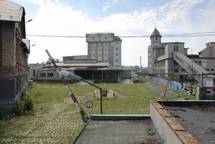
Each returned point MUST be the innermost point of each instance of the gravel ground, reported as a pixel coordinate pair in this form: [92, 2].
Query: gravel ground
[200, 122]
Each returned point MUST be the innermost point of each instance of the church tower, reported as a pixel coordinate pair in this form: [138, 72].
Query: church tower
[154, 50]
[155, 38]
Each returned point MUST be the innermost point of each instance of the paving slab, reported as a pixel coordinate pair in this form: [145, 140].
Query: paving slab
[119, 132]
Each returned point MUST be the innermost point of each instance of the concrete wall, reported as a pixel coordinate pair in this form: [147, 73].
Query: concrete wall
[209, 51]
[206, 63]
[163, 129]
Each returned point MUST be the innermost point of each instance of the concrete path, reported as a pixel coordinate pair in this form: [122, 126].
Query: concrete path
[159, 90]
[119, 132]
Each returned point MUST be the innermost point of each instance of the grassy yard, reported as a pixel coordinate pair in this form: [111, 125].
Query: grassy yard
[54, 121]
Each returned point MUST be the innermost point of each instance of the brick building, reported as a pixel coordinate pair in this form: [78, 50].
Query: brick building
[14, 50]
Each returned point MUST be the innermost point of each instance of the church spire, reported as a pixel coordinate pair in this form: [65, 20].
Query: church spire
[155, 33]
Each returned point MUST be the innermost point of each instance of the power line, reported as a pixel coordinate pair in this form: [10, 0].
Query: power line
[197, 34]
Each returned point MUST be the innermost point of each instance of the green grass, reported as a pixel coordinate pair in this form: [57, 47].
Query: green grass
[54, 121]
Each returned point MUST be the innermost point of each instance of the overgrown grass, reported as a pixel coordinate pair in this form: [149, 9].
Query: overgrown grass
[54, 121]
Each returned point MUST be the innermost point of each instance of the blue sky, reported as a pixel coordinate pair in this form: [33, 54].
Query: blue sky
[123, 17]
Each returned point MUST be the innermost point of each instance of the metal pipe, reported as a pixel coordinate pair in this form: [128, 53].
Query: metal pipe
[101, 93]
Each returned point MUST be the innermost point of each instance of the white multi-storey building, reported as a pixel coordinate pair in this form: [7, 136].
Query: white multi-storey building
[104, 47]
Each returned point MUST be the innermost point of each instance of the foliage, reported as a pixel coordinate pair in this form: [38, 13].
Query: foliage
[19, 108]
[23, 105]
[28, 103]
[139, 79]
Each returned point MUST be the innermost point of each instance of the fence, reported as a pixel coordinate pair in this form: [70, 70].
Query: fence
[174, 85]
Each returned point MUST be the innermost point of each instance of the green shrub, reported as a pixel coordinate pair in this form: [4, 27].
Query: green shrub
[19, 108]
[28, 103]
[23, 105]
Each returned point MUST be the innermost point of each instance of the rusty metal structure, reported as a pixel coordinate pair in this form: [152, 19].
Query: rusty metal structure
[14, 51]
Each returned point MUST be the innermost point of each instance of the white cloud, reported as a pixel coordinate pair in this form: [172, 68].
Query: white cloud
[108, 4]
[54, 18]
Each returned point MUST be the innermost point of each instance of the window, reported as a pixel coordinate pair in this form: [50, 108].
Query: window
[212, 69]
[175, 70]
[156, 37]
[34, 72]
[176, 48]
[116, 54]
[200, 62]
[117, 48]
[50, 75]
[116, 60]
[42, 74]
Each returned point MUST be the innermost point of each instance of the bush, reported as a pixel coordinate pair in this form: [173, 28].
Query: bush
[19, 108]
[28, 103]
[23, 105]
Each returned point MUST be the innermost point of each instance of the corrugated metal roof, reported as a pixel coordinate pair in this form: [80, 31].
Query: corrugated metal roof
[10, 11]
[81, 65]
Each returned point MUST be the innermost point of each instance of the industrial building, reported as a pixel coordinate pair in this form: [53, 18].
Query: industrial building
[104, 47]
[103, 62]
[14, 51]
[171, 59]
[161, 60]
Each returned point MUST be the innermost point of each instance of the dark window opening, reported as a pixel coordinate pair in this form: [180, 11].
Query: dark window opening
[50, 75]
[176, 48]
[200, 62]
[156, 37]
[175, 70]
[34, 73]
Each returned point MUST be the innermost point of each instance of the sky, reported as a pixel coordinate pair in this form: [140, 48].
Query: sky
[122, 17]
